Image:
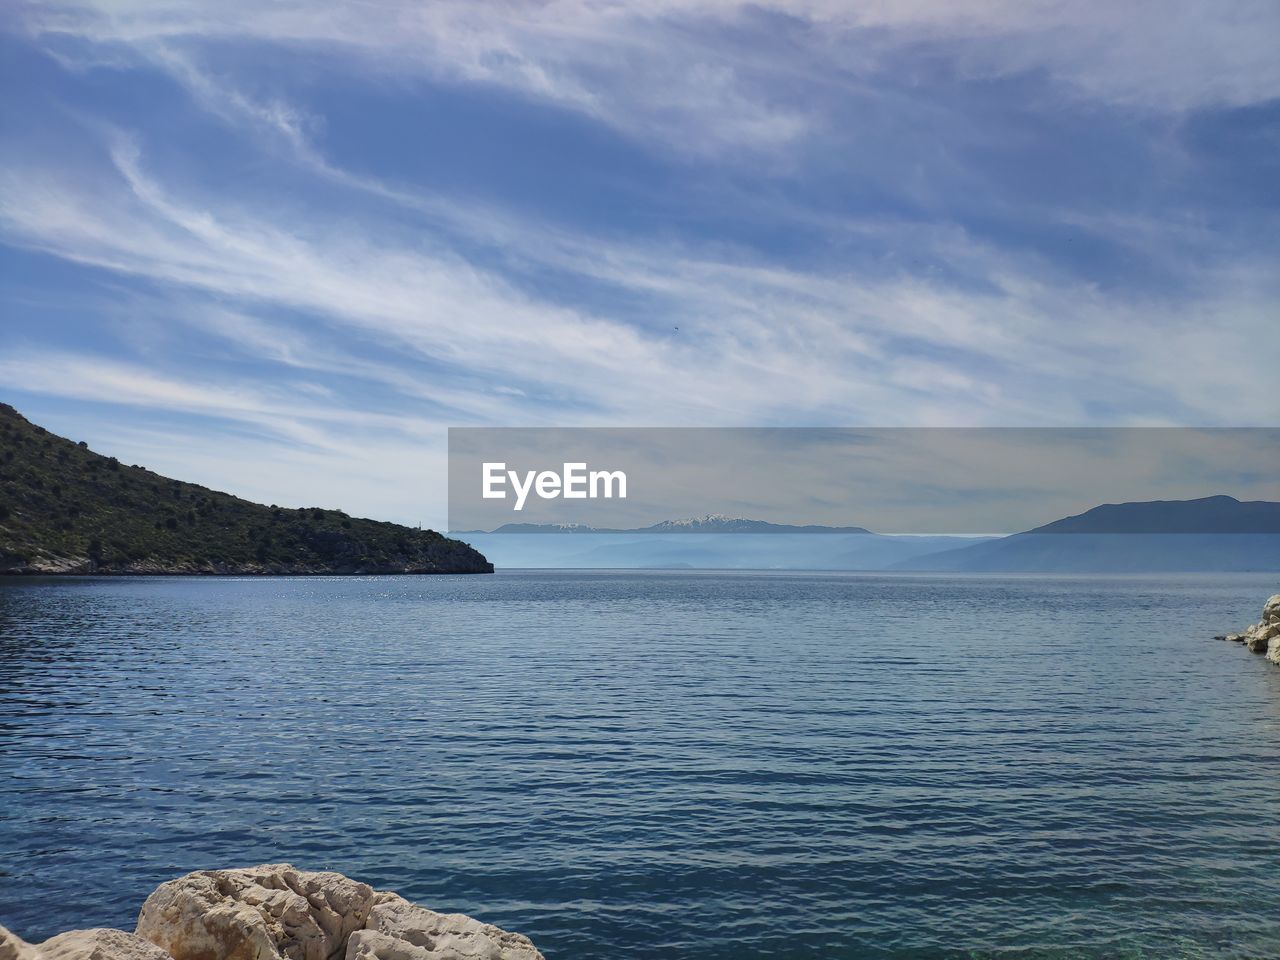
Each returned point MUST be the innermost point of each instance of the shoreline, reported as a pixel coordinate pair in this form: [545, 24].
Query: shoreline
[196, 574]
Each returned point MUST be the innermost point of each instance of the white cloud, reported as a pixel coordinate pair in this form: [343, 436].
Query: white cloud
[756, 343]
[396, 305]
[291, 411]
[702, 76]
[284, 443]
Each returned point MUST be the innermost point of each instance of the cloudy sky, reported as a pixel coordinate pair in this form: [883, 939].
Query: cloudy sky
[278, 248]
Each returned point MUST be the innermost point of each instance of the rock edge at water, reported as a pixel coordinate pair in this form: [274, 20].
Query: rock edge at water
[276, 912]
[1261, 637]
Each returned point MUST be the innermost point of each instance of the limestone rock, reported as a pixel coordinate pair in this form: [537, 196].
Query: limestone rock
[399, 930]
[272, 912]
[276, 912]
[13, 947]
[1260, 637]
[95, 944]
[100, 944]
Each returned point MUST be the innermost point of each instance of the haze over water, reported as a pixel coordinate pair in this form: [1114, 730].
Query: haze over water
[656, 765]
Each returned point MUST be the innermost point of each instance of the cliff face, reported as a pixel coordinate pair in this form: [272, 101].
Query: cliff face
[275, 912]
[66, 509]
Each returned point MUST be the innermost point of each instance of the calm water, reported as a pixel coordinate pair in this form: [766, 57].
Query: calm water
[653, 765]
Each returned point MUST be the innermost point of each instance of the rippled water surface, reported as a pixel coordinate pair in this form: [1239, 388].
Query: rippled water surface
[654, 765]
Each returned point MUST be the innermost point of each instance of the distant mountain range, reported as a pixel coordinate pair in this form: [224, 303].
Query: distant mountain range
[1216, 533]
[66, 509]
[1208, 515]
[720, 551]
[1209, 534]
[711, 523]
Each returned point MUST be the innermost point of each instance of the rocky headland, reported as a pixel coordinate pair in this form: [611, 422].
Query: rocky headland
[65, 509]
[1263, 636]
[276, 912]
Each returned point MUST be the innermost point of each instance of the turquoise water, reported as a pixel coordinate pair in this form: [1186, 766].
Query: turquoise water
[655, 765]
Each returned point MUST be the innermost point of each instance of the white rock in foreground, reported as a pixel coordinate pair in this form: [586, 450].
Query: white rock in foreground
[276, 912]
[96, 944]
[259, 913]
[400, 930]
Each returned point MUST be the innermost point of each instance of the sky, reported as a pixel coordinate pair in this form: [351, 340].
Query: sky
[279, 248]
[942, 481]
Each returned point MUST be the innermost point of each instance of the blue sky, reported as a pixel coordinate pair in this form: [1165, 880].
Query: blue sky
[278, 248]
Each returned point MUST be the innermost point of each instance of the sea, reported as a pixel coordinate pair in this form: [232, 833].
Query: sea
[644, 764]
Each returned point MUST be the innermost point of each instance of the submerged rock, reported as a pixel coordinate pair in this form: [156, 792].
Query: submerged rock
[276, 912]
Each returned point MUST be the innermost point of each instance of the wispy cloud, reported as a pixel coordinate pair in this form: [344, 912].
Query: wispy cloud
[732, 73]
[289, 411]
[872, 244]
[743, 342]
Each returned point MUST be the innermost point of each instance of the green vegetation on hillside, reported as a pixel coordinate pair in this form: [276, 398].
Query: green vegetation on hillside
[66, 509]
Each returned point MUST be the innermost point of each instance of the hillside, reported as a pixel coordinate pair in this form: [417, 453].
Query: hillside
[1210, 534]
[1207, 515]
[66, 509]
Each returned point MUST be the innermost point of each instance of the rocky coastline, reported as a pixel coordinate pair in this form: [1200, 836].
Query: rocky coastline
[1264, 636]
[276, 912]
[469, 561]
